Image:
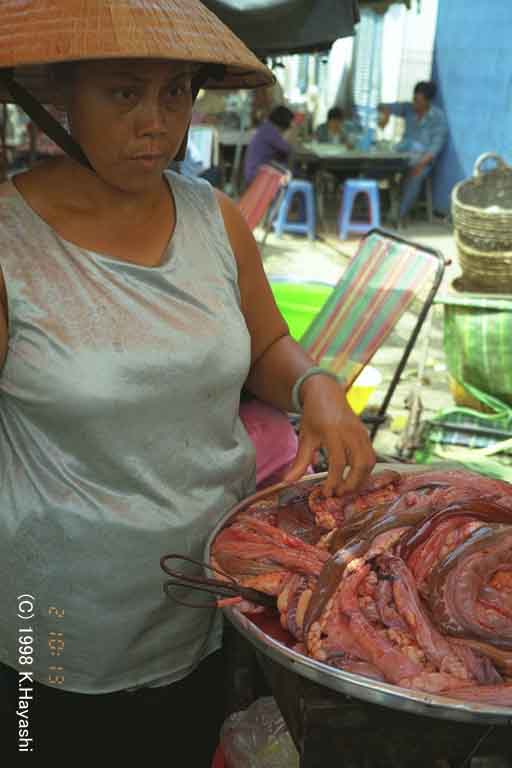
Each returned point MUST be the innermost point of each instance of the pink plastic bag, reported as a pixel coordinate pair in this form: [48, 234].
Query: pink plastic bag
[274, 440]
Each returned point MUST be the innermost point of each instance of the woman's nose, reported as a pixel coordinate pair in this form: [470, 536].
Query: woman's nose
[151, 119]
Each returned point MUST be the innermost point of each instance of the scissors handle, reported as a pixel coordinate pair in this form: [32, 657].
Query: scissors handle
[225, 587]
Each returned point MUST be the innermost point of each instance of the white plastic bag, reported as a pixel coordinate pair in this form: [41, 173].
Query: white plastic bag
[258, 737]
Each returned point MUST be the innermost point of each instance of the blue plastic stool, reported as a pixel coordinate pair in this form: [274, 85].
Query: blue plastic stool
[351, 188]
[307, 227]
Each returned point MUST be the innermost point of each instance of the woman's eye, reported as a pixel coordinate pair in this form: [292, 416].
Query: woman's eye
[183, 89]
[124, 95]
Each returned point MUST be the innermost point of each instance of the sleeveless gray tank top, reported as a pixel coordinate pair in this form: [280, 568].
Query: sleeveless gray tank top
[120, 442]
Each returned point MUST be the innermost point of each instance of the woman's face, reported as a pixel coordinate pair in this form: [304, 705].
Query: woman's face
[130, 117]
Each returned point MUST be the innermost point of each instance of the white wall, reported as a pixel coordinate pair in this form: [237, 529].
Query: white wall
[407, 48]
[407, 54]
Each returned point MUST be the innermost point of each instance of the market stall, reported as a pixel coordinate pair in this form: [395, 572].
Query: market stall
[340, 709]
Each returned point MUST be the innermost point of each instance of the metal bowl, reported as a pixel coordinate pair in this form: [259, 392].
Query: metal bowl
[358, 686]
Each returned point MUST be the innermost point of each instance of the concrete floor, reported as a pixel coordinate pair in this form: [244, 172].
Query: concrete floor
[325, 259]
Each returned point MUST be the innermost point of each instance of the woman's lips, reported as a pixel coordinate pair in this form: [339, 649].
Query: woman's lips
[149, 161]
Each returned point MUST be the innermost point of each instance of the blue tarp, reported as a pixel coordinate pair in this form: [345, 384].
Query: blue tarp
[473, 70]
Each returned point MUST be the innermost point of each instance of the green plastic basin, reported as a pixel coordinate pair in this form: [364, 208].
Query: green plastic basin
[299, 303]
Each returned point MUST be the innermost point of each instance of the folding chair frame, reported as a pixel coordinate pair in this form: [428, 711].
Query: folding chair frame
[275, 203]
[272, 212]
[374, 421]
[317, 343]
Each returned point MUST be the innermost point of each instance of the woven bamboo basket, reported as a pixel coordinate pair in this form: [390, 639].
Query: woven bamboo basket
[487, 271]
[482, 209]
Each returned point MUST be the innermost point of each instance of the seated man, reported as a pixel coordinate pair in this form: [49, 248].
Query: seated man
[332, 131]
[425, 135]
[272, 141]
[339, 129]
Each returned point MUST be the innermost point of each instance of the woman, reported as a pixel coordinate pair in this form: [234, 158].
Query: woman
[134, 309]
[271, 142]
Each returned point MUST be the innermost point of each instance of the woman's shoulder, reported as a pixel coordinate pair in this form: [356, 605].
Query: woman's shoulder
[192, 191]
[18, 227]
[7, 193]
[9, 199]
[201, 205]
[7, 189]
[184, 183]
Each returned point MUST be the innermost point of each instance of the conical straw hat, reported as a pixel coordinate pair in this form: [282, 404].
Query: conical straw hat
[35, 33]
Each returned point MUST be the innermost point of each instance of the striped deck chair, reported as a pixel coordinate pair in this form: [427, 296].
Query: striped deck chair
[383, 278]
[261, 199]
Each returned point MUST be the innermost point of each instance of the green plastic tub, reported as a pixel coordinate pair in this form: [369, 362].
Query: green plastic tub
[299, 302]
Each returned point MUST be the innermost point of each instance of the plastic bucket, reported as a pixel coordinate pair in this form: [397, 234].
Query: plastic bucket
[299, 303]
[476, 339]
[363, 387]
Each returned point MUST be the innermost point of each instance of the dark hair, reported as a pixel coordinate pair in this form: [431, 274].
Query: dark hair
[335, 113]
[64, 72]
[282, 117]
[427, 88]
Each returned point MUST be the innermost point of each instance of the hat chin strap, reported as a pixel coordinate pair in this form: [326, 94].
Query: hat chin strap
[43, 119]
[62, 138]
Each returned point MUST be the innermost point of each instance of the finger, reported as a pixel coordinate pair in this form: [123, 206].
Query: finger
[360, 469]
[297, 470]
[302, 460]
[334, 483]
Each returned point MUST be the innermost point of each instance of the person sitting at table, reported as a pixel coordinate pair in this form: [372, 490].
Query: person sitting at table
[424, 137]
[332, 131]
[272, 142]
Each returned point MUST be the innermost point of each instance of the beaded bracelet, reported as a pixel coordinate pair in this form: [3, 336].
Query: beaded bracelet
[314, 371]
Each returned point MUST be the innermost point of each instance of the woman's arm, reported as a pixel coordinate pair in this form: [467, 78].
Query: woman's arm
[277, 361]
